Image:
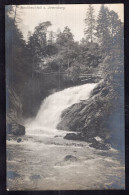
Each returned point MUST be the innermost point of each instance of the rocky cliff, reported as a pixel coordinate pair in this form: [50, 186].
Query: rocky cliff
[97, 119]
[13, 113]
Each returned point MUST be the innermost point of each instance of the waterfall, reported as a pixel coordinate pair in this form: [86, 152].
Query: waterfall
[52, 107]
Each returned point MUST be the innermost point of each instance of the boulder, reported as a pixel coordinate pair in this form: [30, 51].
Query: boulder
[73, 136]
[15, 129]
[100, 146]
[70, 158]
[19, 140]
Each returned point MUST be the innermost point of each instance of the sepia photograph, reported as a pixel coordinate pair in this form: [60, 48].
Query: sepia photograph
[65, 123]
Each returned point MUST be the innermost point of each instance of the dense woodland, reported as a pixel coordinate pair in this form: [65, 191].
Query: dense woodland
[51, 61]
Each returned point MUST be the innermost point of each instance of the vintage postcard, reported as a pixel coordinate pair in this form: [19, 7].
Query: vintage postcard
[65, 97]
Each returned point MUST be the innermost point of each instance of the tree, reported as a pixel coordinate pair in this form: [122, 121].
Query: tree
[66, 47]
[112, 43]
[89, 55]
[103, 30]
[51, 38]
[89, 30]
[38, 40]
[109, 31]
[65, 38]
[116, 31]
[37, 44]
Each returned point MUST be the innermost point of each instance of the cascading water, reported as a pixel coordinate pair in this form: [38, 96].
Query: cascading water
[49, 162]
[52, 107]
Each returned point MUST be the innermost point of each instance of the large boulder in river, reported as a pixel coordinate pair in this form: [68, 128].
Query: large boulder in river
[15, 129]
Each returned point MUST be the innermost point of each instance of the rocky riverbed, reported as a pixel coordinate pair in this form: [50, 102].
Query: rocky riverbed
[49, 162]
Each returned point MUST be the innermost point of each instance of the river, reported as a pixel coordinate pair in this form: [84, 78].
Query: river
[43, 160]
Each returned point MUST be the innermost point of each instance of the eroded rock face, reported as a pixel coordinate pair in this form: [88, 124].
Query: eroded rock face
[14, 114]
[93, 117]
[85, 115]
[13, 106]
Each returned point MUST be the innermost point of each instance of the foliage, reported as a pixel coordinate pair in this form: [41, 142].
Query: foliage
[73, 73]
[101, 48]
[90, 23]
[103, 33]
[109, 29]
[89, 55]
[37, 44]
[64, 38]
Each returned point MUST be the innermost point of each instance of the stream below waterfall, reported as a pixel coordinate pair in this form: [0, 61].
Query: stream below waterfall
[43, 160]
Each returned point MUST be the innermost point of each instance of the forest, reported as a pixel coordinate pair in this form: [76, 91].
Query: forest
[50, 61]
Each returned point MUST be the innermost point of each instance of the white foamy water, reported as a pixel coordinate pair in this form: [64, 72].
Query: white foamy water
[39, 160]
[52, 107]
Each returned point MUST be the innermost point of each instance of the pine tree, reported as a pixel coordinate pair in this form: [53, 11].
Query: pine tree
[65, 38]
[116, 27]
[89, 30]
[51, 38]
[103, 31]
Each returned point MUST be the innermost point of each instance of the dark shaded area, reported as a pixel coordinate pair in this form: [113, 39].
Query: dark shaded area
[15, 129]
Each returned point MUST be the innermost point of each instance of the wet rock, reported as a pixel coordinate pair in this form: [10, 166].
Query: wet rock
[19, 140]
[93, 142]
[70, 158]
[15, 129]
[67, 160]
[73, 136]
[100, 146]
